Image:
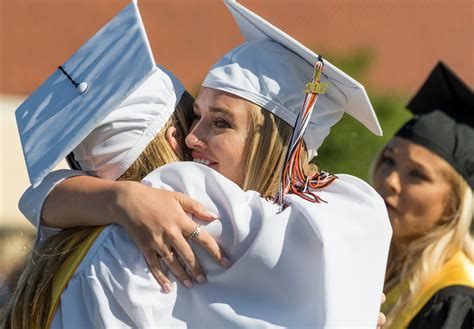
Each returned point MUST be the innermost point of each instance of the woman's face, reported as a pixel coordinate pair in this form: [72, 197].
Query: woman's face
[218, 137]
[411, 180]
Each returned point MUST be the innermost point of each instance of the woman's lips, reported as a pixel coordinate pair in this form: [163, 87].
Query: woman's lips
[389, 206]
[203, 159]
[207, 163]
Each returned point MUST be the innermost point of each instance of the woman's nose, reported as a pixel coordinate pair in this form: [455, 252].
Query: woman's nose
[194, 139]
[393, 181]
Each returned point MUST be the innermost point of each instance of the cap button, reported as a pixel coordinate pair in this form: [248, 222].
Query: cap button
[82, 87]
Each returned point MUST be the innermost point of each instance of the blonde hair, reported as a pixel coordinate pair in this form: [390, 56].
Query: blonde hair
[30, 302]
[269, 137]
[425, 256]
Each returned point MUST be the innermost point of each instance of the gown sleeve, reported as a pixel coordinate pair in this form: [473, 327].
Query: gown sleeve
[451, 307]
[32, 200]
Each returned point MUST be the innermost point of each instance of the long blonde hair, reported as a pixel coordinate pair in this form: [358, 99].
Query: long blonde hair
[269, 137]
[425, 256]
[30, 302]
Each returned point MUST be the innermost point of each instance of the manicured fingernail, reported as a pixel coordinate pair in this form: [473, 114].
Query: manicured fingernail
[187, 283]
[201, 279]
[167, 288]
[226, 262]
[211, 214]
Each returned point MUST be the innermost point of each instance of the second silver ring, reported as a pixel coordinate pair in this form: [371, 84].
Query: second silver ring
[196, 232]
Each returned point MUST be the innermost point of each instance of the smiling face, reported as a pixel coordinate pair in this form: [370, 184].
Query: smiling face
[219, 136]
[412, 181]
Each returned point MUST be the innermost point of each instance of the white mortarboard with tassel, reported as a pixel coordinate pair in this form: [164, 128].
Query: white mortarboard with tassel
[273, 70]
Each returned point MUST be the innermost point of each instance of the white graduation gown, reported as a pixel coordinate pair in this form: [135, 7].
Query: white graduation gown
[312, 265]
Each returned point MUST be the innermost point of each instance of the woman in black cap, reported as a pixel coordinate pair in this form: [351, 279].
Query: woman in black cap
[425, 175]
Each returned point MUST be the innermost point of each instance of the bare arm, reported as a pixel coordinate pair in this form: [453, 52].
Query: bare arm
[81, 201]
[156, 220]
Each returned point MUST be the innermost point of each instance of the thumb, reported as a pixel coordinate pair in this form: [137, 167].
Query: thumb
[195, 208]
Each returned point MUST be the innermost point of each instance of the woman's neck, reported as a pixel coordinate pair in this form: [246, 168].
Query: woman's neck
[396, 258]
[398, 248]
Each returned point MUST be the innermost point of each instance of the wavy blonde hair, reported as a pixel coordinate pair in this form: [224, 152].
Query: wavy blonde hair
[425, 256]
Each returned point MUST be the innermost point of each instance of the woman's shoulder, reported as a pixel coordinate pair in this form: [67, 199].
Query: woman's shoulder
[357, 187]
[349, 207]
[349, 194]
[450, 307]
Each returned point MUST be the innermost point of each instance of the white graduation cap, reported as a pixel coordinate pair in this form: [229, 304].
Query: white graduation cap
[271, 70]
[105, 103]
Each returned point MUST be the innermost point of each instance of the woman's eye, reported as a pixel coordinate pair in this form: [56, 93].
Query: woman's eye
[387, 160]
[417, 174]
[221, 124]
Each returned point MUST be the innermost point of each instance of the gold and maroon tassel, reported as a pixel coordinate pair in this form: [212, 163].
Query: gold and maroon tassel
[293, 179]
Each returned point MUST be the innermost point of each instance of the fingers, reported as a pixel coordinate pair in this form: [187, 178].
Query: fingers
[193, 207]
[211, 246]
[171, 260]
[187, 256]
[177, 269]
[179, 242]
[153, 262]
[197, 233]
[381, 320]
[165, 227]
[203, 238]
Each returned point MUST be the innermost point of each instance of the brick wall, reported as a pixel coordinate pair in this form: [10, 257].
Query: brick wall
[187, 36]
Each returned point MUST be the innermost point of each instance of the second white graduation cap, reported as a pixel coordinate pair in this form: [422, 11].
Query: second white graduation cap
[271, 69]
[113, 70]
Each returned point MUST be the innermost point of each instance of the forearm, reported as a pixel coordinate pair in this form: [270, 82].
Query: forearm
[82, 201]
[156, 220]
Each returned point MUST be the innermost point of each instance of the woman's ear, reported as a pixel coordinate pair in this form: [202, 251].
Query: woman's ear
[170, 136]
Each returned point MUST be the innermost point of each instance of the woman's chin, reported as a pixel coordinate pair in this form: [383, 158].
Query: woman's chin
[397, 227]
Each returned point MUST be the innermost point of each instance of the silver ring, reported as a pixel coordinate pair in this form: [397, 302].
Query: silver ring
[165, 257]
[196, 232]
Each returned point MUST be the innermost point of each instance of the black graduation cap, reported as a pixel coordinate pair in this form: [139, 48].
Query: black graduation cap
[444, 120]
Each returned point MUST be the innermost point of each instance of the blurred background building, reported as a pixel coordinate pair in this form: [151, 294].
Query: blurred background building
[388, 45]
